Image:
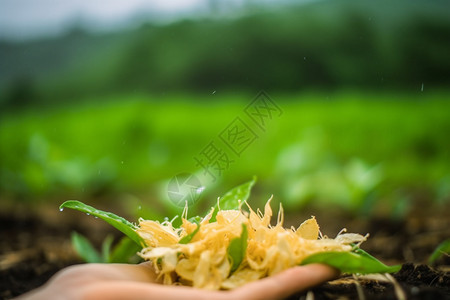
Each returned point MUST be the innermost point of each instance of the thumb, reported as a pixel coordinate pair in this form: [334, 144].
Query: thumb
[286, 283]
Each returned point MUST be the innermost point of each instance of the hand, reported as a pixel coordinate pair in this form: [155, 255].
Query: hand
[123, 281]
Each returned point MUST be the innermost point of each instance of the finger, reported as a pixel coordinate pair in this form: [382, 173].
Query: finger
[85, 273]
[145, 291]
[143, 272]
[286, 283]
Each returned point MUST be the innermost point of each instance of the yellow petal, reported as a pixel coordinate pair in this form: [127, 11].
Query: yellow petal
[186, 268]
[202, 272]
[309, 229]
[241, 277]
[267, 213]
[157, 235]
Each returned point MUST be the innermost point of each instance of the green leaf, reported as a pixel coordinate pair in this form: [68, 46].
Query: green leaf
[85, 249]
[231, 199]
[106, 247]
[361, 252]
[123, 251]
[351, 262]
[237, 248]
[196, 219]
[190, 236]
[129, 229]
[442, 248]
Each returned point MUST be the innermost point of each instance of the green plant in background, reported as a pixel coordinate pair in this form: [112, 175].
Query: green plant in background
[123, 252]
[319, 150]
[442, 249]
[357, 261]
[312, 172]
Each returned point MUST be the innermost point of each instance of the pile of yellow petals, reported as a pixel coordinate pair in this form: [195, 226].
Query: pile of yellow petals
[204, 263]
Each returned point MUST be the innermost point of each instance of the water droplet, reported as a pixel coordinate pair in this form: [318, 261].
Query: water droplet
[199, 190]
[139, 207]
[166, 219]
[96, 217]
[88, 214]
[304, 57]
[61, 209]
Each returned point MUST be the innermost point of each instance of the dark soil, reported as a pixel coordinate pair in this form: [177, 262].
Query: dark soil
[417, 281]
[34, 246]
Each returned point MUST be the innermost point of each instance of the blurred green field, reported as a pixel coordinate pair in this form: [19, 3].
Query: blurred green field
[359, 152]
[114, 116]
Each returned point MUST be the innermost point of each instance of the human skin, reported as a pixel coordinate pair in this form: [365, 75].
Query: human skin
[124, 281]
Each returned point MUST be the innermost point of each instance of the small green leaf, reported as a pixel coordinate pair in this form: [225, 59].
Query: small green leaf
[106, 247]
[123, 251]
[214, 215]
[442, 248]
[196, 219]
[186, 239]
[129, 229]
[85, 249]
[361, 252]
[237, 248]
[351, 262]
[231, 199]
[242, 192]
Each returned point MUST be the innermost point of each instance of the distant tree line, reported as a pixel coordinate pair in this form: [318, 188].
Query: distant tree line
[323, 45]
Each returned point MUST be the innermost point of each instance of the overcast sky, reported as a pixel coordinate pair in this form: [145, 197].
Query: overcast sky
[24, 18]
[21, 19]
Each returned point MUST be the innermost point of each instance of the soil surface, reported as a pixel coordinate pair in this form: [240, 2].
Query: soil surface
[36, 245]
